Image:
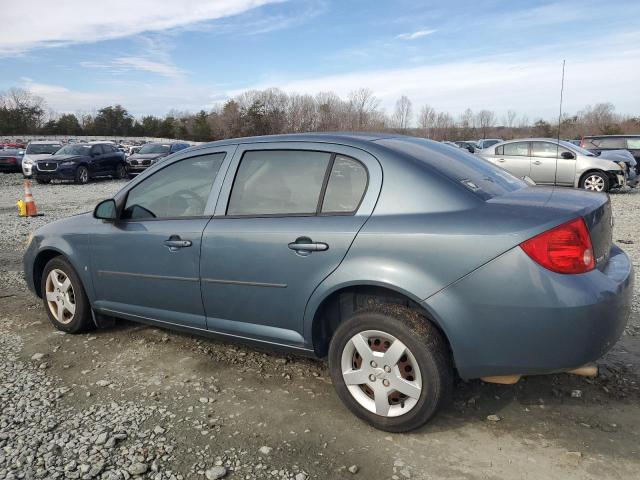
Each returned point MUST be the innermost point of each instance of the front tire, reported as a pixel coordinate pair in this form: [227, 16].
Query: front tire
[64, 297]
[121, 171]
[595, 182]
[82, 175]
[391, 367]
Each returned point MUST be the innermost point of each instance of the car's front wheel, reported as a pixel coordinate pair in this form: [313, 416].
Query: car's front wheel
[595, 182]
[64, 297]
[391, 367]
[121, 171]
[82, 174]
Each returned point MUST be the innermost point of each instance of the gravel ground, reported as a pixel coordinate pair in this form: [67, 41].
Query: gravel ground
[138, 402]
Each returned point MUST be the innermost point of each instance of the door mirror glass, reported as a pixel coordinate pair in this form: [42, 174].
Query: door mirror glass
[106, 210]
[568, 155]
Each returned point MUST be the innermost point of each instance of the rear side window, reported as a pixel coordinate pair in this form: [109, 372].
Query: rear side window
[546, 150]
[500, 150]
[346, 186]
[278, 182]
[608, 143]
[633, 143]
[178, 190]
[517, 149]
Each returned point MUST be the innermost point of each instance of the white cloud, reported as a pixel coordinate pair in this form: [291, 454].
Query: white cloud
[30, 24]
[415, 35]
[146, 65]
[528, 82]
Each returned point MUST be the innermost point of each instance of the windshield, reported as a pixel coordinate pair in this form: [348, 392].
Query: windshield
[578, 149]
[79, 149]
[154, 148]
[42, 148]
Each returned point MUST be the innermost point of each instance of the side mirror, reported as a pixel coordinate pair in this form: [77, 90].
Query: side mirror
[568, 155]
[471, 149]
[106, 210]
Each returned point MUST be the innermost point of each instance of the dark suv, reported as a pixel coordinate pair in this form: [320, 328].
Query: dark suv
[602, 143]
[81, 162]
[150, 153]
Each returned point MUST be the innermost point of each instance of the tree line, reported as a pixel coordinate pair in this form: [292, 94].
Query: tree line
[272, 111]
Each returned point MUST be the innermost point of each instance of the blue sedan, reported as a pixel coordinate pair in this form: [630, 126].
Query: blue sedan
[402, 261]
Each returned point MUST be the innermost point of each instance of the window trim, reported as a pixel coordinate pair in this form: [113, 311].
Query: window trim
[157, 219]
[323, 189]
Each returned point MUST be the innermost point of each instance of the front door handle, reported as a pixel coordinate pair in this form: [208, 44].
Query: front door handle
[537, 162]
[501, 160]
[175, 243]
[305, 244]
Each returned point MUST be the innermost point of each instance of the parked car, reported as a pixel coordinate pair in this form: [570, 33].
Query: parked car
[602, 143]
[487, 142]
[449, 266]
[38, 150]
[149, 154]
[11, 160]
[470, 146]
[81, 162]
[548, 162]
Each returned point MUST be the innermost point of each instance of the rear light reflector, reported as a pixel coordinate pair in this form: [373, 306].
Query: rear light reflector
[566, 248]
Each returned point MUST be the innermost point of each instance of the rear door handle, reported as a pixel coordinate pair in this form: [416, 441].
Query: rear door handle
[537, 162]
[175, 242]
[305, 244]
[501, 160]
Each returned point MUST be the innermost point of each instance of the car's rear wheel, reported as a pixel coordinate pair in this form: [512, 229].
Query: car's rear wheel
[64, 297]
[595, 182]
[82, 174]
[121, 171]
[391, 367]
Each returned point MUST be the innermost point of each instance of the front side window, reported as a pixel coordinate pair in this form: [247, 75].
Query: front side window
[178, 190]
[547, 150]
[517, 149]
[278, 182]
[346, 186]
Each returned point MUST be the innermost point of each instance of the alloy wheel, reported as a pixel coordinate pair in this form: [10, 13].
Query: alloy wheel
[594, 183]
[381, 373]
[60, 296]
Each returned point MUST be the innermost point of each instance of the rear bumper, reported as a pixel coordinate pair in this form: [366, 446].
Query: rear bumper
[512, 316]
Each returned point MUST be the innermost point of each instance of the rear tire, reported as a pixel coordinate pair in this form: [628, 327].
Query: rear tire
[595, 182]
[362, 353]
[64, 297]
[82, 175]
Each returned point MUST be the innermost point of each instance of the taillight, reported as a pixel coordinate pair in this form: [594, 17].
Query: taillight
[566, 248]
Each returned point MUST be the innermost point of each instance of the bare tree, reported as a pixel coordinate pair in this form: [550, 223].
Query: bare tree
[426, 120]
[467, 124]
[362, 103]
[402, 114]
[485, 120]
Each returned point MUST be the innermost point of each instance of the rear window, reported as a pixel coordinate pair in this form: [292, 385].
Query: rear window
[475, 173]
[609, 143]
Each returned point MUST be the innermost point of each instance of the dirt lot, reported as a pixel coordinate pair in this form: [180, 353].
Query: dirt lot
[136, 400]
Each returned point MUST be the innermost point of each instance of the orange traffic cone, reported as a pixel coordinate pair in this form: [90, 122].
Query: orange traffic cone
[32, 210]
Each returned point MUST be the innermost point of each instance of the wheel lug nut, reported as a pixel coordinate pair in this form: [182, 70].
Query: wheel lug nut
[387, 368]
[373, 364]
[372, 377]
[385, 382]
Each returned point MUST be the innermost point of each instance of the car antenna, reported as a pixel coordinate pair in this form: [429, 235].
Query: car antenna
[555, 177]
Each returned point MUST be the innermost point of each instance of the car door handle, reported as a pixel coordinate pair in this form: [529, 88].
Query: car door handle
[175, 242]
[304, 244]
[501, 160]
[537, 162]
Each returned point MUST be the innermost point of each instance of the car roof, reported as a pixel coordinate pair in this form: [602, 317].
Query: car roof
[45, 142]
[611, 136]
[357, 139]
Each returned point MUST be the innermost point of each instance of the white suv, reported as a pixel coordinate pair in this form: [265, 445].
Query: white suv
[37, 150]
